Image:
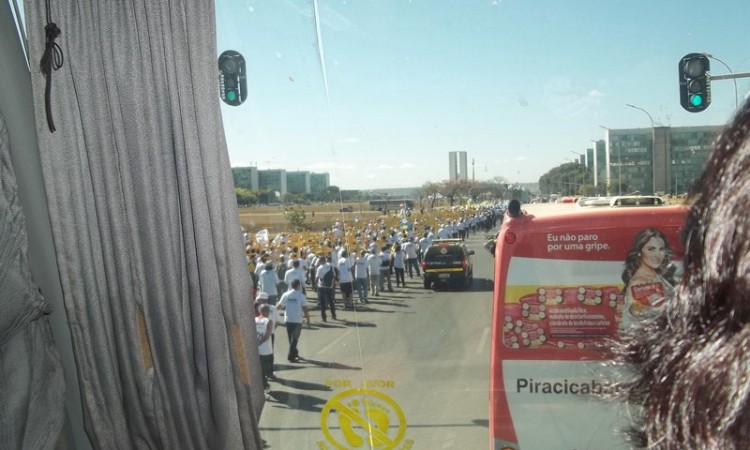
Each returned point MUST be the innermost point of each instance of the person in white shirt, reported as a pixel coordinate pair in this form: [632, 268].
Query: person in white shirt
[296, 272]
[311, 265]
[294, 305]
[345, 280]
[444, 232]
[385, 269]
[373, 269]
[360, 276]
[273, 317]
[325, 279]
[398, 265]
[461, 229]
[302, 260]
[410, 252]
[264, 331]
[260, 265]
[281, 269]
[424, 244]
[268, 281]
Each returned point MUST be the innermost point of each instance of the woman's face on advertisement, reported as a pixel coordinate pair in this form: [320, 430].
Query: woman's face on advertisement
[653, 253]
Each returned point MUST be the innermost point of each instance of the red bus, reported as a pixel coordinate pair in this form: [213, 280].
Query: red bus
[559, 294]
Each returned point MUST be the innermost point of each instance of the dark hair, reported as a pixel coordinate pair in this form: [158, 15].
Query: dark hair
[691, 358]
[633, 259]
[514, 208]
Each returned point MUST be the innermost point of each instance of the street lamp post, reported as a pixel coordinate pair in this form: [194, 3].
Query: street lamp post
[641, 109]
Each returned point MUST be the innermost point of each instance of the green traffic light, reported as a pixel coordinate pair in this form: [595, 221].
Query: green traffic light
[696, 100]
[231, 96]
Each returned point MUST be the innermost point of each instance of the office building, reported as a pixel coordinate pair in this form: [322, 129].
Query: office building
[654, 160]
[318, 182]
[298, 182]
[272, 180]
[279, 180]
[457, 167]
[596, 161]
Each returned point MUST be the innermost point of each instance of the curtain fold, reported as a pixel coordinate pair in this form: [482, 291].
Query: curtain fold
[32, 388]
[145, 225]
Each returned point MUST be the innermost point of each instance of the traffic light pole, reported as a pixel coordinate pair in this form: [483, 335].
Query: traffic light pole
[694, 70]
[730, 76]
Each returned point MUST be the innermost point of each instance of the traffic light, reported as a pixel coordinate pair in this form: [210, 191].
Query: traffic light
[695, 82]
[232, 78]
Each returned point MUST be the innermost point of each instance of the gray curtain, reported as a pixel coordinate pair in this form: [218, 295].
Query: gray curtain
[145, 225]
[32, 390]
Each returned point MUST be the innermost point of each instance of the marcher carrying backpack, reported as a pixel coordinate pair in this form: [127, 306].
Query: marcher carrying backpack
[327, 280]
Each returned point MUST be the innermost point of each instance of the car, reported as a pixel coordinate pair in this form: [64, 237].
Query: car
[346, 209]
[447, 261]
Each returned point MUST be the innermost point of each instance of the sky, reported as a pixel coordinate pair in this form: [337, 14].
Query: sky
[378, 92]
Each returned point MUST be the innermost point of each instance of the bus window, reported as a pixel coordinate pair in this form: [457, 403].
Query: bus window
[637, 200]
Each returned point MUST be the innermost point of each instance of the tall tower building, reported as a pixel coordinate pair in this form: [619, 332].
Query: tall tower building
[457, 167]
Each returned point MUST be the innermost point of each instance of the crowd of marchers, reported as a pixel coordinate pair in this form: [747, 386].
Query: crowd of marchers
[295, 273]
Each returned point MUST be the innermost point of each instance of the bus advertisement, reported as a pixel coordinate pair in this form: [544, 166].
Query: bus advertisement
[565, 284]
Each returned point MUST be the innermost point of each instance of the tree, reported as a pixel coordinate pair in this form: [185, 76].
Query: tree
[430, 190]
[569, 179]
[329, 194]
[266, 196]
[493, 188]
[451, 189]
[350, 195]
[295, 215]
[245, 197]
[618, 187]
[498, 180]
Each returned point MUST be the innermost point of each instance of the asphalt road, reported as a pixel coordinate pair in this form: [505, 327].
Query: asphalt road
[410, 370]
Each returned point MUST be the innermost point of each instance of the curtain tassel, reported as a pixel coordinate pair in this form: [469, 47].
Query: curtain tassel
[52, 59]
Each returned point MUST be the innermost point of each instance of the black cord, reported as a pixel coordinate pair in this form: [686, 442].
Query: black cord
[52, 59]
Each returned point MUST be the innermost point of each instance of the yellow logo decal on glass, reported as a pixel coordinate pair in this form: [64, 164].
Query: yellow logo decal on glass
[363, 418]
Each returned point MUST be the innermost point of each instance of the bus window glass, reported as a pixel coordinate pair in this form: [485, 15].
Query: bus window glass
[371, 124]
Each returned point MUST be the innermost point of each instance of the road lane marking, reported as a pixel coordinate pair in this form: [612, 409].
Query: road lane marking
[450, 440]
[335, 341]
[483, 340]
